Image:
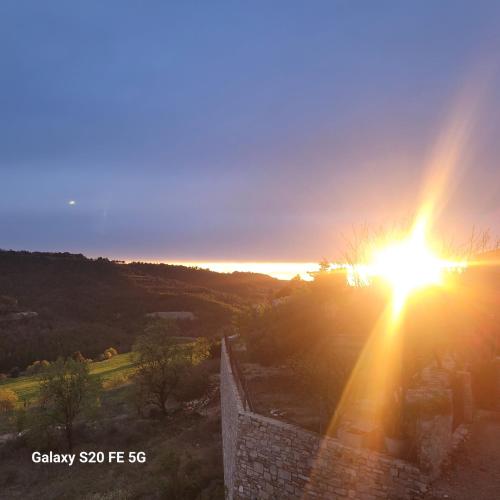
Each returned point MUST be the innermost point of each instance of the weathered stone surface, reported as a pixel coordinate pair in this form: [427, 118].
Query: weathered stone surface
[267, 458]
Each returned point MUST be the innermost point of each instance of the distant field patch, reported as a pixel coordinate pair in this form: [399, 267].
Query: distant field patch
[118, 367]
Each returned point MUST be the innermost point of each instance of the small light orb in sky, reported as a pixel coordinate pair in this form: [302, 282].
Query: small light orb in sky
[71, 203]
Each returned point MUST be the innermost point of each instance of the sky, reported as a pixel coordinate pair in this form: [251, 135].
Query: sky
[238, 131]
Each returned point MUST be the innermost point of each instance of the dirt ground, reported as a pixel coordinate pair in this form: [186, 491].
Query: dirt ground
[475, 472]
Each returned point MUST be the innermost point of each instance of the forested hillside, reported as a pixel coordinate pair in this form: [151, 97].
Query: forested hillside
[91, 304]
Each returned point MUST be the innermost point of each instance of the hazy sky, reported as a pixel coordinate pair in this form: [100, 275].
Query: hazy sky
[235, 130]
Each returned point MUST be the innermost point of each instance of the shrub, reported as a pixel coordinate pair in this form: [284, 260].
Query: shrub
[138, 398]
[14, 372]
[107, 354]
[21, 419]
[215, 348]
[110, 352]
[116, 381]
[194, 385]
[79, 357]
[183, 476]
[200, 350]
[3, 376]
[36, 367]
[8, 400]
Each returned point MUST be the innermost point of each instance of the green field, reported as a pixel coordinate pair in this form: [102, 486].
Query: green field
[118, 366]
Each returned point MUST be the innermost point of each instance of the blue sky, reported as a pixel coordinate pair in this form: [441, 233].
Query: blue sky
[235, 130]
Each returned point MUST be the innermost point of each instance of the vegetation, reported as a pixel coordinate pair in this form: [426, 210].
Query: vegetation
[183, 458]
[323, 371]
[26, 387]
[88, 305]
[37, 367]
[66, 391]
[108, 353]
[162, 361]
[8, 400]
[315, 333]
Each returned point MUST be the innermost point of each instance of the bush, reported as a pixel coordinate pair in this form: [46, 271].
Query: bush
[37, 367]
[110, 352]
[116, 381]
[183, 476]
[21, 419]
[215, 348]
[194, 385]
[3, 376]
[14, 372]
[78, 357]
[8, 400]
[107, 354]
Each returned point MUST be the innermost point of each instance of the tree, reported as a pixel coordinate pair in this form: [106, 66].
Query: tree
[107, 354]
[324, 266]
[323, 371]
[66, 391]
[8, 400]
[194, 386]
[110, 352]
[37, 366]
[162, 361]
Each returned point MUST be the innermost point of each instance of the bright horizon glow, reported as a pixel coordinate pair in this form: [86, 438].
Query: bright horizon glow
[279, 270]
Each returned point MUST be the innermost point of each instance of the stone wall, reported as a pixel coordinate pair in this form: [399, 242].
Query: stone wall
[269, 459]
[434, 438]
[231, 408]
[497, 363]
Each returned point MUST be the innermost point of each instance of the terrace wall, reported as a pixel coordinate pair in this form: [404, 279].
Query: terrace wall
[265, 458]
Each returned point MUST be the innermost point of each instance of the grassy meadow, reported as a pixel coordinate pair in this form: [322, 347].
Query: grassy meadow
[116, 368]
[113, 373]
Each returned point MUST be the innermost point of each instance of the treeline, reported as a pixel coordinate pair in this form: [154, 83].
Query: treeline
[88, 304]
[253, 286]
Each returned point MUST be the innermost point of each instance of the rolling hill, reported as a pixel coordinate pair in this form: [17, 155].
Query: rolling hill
[91, 304]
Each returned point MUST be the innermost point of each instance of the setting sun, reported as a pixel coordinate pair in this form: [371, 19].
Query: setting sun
[406, 264]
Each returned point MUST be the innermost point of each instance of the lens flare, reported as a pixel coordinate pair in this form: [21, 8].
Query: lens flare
[406, 264]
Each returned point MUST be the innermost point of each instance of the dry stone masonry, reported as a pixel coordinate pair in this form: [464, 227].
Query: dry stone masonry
[265, 458]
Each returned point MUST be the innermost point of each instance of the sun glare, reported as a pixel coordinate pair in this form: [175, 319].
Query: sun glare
[406, 264]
